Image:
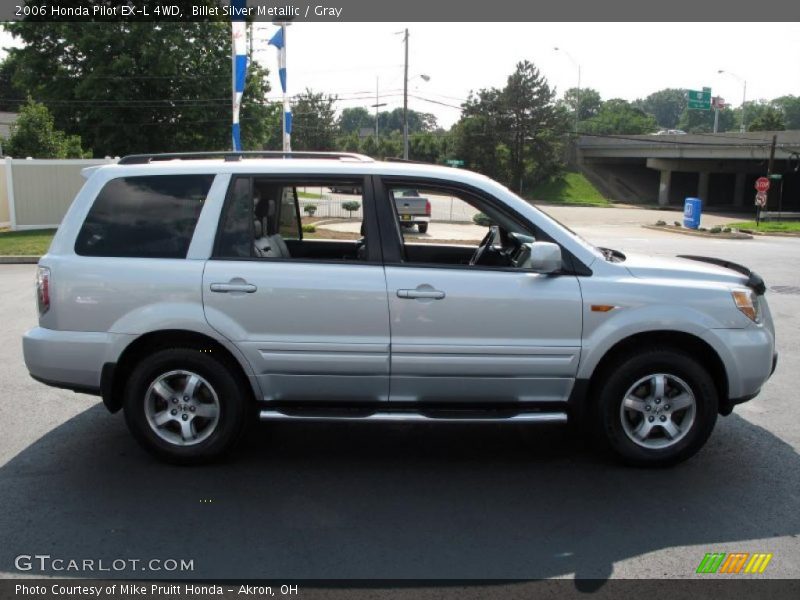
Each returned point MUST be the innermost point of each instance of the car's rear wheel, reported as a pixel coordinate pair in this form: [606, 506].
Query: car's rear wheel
[185, 405]
[657, 407]
[423, 227]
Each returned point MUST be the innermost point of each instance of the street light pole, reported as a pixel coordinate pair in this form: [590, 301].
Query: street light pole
[742, 126]
[578, 98]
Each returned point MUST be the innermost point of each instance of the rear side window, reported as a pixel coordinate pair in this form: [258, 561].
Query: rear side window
[144, 217]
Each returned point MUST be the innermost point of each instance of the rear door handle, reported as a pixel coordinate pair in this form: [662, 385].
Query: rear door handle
[233, 287]
[428, 294]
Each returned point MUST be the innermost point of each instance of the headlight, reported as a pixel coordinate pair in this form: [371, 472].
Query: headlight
[747, 302]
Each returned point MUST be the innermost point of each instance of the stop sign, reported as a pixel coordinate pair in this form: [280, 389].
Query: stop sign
[762, 184]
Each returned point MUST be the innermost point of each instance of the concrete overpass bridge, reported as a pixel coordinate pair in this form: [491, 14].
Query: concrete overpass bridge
[719, 168]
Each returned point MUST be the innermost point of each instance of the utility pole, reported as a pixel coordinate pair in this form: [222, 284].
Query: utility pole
[578, 106]
[377, 105]
[772, 155]
[770, 166]
[743, 128]
[405, 98]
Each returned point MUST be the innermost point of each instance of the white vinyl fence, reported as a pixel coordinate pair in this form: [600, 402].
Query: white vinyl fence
[36, 193]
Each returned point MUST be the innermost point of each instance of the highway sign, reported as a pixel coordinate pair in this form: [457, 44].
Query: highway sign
[761, 199]
[453, 162]
[762, 185]
[699, 99]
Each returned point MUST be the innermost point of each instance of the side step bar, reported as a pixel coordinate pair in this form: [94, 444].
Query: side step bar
[530, 417]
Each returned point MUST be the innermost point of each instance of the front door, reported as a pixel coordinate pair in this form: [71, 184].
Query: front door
[477, 332]
[309, 314]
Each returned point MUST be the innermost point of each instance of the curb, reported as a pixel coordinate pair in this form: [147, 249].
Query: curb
[19, 260]
[786, 234]
[716, 236]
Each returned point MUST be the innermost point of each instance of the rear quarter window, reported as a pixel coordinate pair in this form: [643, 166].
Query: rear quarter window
[145, 217]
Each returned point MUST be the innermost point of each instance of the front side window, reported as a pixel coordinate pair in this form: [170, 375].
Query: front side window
[144, 217]
[450, 226]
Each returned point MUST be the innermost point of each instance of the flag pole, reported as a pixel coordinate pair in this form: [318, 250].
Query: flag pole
[287, 114]
[238, 67]
[279, 41]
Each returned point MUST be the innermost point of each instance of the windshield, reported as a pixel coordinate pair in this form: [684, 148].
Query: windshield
[605, 253]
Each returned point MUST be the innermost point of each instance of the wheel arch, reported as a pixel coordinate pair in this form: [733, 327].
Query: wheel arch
[115, 375]
[687, 342]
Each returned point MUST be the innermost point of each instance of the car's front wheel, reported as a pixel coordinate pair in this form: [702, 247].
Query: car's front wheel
[185, 405]
[657, 407]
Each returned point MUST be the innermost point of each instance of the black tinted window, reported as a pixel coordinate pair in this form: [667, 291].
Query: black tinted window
[236, 232]
[148, 217]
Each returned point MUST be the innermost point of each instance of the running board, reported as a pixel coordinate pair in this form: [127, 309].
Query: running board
[529, 417]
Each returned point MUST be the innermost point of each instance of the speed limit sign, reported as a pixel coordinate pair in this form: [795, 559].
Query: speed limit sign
[761, 199]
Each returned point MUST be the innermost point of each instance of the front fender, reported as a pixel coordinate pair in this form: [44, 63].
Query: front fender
[603, 331]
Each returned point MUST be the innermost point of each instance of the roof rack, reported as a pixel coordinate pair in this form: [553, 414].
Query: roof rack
[143, 159]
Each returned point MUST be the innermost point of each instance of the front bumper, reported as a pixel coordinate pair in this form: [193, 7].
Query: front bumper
[750, 360]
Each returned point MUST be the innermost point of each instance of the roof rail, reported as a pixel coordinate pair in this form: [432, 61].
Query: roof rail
[143, 159]
[398, 159]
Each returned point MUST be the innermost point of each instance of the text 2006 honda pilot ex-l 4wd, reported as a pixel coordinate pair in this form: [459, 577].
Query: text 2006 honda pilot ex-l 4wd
[185, 290]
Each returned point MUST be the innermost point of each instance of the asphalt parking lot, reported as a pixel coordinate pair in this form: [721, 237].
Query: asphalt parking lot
[408, 501]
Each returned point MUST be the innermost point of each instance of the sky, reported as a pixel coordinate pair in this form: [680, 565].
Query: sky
[620, 60]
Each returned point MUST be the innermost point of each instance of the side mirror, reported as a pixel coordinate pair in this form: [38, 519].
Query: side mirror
[543, 257]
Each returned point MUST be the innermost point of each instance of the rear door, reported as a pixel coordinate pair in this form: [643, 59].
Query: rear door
[313, 320]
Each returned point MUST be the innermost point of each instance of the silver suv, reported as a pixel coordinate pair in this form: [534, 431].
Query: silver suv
[193, 293]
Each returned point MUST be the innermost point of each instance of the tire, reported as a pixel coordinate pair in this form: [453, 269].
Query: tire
[423, 227]
[166, 424]
[650, 430]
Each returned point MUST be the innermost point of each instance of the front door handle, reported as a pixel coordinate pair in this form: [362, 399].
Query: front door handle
[429, 294]
[233, 287]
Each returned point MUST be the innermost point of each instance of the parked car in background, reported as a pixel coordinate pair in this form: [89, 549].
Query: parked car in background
[412, 209]
[181, 289]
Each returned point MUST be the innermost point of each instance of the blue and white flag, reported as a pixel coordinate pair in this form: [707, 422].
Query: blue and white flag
[239, 65]
[279, 41]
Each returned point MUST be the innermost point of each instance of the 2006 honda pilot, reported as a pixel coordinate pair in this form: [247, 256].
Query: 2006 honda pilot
[192, 292]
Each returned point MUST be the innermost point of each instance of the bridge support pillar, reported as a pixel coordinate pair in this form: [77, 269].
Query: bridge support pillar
[738, 190]
[702, 186]
[663, 187]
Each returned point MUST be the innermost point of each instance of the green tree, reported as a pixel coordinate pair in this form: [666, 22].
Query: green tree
[425, 147]
[586, 100]
[766, 115]
[34, 134]
[12, 97]
[790, 107]
[620, 117]
[354, 119]
[514, 134]
[768, 118]
[314, 121]
[665, 105]
[141, 87]
[702, 121]
[389, 121]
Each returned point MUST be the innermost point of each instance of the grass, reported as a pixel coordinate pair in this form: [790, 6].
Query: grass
[25, 243]
[768, 226]
[571, 188]
[311, 195]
